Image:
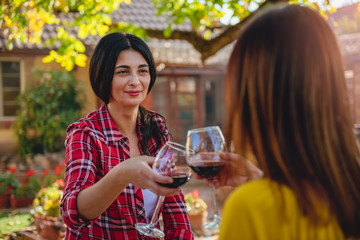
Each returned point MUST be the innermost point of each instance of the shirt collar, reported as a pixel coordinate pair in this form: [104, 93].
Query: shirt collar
[110, 130]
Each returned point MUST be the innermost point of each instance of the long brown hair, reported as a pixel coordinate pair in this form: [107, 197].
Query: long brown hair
[287, 104]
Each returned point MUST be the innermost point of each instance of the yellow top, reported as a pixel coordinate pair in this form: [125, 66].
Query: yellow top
[256, 210]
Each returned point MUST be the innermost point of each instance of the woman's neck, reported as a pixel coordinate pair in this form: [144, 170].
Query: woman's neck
[124, 119]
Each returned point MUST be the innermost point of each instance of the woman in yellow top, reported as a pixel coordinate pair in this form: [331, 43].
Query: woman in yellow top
[288, 109]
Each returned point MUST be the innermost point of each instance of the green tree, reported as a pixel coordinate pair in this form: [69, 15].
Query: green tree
[24, 20]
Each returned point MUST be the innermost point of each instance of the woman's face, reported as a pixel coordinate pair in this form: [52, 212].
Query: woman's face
[131, 79]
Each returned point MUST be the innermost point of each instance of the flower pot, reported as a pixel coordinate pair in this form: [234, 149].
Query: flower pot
[49, 227]
[19, 202]
[50, 232]
[5, 200]
[197, 221]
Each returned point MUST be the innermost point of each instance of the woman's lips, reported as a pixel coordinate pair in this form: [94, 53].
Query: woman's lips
[133, 93]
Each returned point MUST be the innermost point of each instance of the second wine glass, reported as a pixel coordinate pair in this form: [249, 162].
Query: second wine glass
[170, 161]
[203, 146]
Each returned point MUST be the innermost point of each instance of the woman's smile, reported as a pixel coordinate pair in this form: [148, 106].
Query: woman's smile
[133, 93]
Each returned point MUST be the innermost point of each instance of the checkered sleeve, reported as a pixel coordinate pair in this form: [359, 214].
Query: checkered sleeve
[176, 220]
[81, 155]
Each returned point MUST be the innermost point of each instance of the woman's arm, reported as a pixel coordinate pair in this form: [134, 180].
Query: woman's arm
[85, 198]
[95, 199]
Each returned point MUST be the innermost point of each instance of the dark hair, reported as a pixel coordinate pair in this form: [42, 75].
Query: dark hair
[103, 60]
[101, 72]
[288, 105]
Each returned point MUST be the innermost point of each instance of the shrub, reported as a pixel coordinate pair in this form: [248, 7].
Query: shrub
[8, 181]
[29, 187]
[46, 109]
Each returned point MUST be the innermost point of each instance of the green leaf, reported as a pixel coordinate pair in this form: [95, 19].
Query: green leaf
[79, 46]
[168, 31]
[207, 34]
[48, 59]
[83, 31]
[23, 20]
[107, 20]
[80, 60]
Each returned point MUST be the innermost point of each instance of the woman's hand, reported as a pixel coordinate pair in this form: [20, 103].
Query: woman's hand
[138, 172]
[94, 200]
[237, 170]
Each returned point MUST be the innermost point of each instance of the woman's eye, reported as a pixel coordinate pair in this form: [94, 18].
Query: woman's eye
[121, 72]
[144, 70]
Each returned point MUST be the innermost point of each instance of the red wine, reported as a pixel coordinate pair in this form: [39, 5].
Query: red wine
[178, 180]
[207, 169]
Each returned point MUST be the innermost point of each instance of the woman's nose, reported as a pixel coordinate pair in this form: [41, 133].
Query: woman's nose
[134, 79]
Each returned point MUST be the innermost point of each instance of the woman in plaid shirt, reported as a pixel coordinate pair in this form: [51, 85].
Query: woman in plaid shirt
[109, 184]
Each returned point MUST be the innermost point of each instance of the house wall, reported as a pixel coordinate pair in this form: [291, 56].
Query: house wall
[8, 140]
[352, 75]
[29, 61]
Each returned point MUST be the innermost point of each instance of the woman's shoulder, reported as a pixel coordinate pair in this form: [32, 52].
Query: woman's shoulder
[88, 123]
[252, 189]
[255, 185]
[84, 121]
[256, 193]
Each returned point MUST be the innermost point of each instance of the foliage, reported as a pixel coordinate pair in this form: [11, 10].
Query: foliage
[46, 109]
[8, 181]
[12, 222]
[348, 26]
[49, 180]
[194, 204]
[47, 201]
[24, 20]
[29, 187]
[207, 17]
[58, 177]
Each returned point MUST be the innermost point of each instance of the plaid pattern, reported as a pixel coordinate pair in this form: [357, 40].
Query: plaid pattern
[94, 145]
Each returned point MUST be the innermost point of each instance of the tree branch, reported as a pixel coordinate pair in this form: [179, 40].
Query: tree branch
[208, 48]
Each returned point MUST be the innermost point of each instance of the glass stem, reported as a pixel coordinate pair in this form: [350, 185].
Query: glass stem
[155, 216]
[216, 211]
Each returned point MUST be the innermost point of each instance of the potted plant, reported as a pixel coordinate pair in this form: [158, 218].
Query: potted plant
[46, 211]
[24, 194]
[197, 210]
[8, 182]
[57, 176]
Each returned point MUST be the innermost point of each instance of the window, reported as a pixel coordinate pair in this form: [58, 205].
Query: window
[175, 98]
[210, 103]
[9, 88]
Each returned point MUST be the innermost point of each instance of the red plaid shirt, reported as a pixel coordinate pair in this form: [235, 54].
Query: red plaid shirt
[94, 145]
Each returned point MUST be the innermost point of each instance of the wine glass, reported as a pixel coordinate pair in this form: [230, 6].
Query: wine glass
[170, 161]
[203, 146]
